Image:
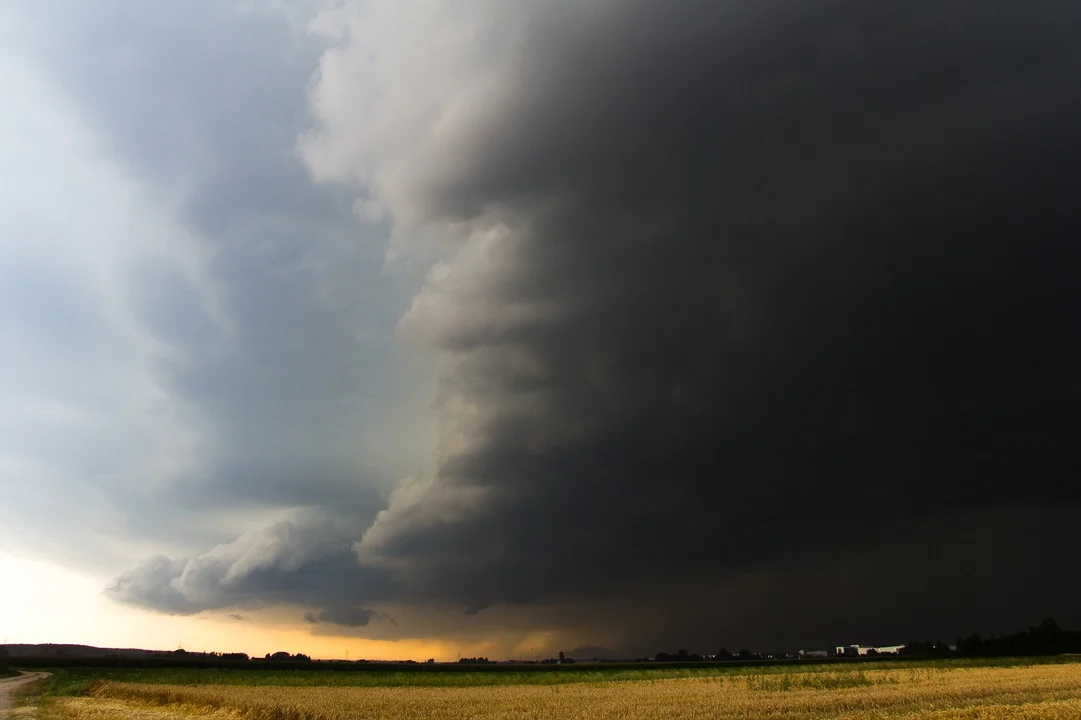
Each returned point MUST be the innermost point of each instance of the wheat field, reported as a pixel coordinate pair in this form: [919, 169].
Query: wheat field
[1047, 692]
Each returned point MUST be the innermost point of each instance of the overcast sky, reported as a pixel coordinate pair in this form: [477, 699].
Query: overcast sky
[513, 327]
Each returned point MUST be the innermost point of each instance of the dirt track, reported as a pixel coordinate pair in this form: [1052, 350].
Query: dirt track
[9, 684]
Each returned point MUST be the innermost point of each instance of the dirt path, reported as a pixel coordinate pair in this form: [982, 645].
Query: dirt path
[9, 684]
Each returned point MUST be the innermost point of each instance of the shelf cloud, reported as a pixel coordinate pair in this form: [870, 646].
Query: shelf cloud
[729, 303]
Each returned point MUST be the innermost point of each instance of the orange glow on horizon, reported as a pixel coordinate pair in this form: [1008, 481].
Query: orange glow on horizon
[61, 606]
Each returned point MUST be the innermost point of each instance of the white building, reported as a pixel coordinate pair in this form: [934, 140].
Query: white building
[858, 650]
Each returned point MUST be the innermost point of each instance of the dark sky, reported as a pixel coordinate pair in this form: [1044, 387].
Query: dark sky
[758, 323]
[784, 287]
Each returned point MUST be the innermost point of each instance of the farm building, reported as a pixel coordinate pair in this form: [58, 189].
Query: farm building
[858, 650]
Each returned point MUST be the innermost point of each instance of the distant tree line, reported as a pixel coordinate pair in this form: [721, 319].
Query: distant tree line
[1045, 639]
[201, 662]
[3, 660]
[235, 656]
[286, 657]
[561, 660]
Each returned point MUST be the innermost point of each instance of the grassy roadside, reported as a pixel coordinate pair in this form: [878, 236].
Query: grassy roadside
[27, 700]
[62, 683]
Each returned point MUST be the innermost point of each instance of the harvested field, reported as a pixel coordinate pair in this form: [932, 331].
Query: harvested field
[1038, 691]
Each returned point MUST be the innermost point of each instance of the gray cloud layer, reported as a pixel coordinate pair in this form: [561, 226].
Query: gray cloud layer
[732, 297]
[213, 348]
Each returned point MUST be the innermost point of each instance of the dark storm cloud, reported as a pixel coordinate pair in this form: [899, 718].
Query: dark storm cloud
[763, 276]
[353, 617]
[991, 570]
[754, 299]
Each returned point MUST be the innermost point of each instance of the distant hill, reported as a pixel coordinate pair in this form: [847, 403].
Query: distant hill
[590, 652]
[79, 652]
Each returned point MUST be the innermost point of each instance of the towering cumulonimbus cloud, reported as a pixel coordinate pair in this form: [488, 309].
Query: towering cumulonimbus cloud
[731, 298]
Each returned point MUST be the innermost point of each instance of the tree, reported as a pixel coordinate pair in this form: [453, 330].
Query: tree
[476, 660]
[972, 645]
[562, 658]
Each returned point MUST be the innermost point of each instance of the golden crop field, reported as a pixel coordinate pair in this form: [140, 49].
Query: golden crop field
[1044, 692]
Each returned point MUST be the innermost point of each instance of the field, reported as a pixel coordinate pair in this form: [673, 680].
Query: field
[923, 691]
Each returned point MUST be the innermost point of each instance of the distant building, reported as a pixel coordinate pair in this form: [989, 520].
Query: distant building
[862, 650]
[814, 653]
[889, 649]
